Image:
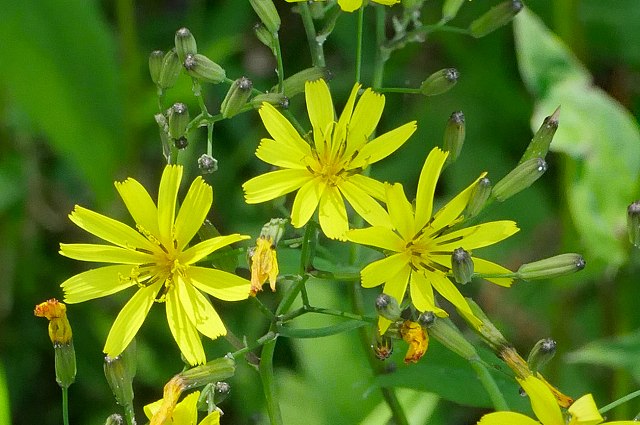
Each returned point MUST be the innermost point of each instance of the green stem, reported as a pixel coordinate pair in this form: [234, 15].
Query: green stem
[341, 276]
[65, 405]
[359, 43]
[489, 384]
[268, 382]
[381, 56]
[260, 341]
[406, 90]
[279, 62]
[129, 414]
[263, 309]
[315, 47]
[292, 119]
[618, 402]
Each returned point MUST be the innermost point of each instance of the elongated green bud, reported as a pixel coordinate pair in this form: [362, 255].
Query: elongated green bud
[265, 36]
[450, 9]
[541, 353]
[185, 43]
[278, 100]
[519, 178]
[170, 70]
[462, 266]
[295, 83]
[207, 164]
[539, 145]
[439, 82]
[454, 134]
[446, 332]
[266, 11]
[236, 97]
[487, 330]
[203, 68]
[155, 65]
[495, 18]
[210, 372]
[633, 223]
[178, 120]
[478, 198]
[551, 267]
[120, 371]
[388, 307]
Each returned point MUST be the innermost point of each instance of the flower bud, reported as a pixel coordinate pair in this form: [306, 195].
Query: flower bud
[65, 363]
[450, 9]
[495, 18]
[633, 223]
[170, 70]
[519, 178]
[213, 371]
[427, 319]
[388, 307]
[266, 11]
[236, 97]
[539, 145]
[448, 335]
[155, 65]
[207, 164]
[492, 336]
[266, 37]
[478, 198]
[185, 43]
[60, 335]
[181, 143]
[178, 120]
[295, 83]
[439, 82]
[201, 67]
[541, 353]
[549, 268]
[454, 134]
[278, 100]
[114, 419]
[120, 371]
[462, 266]
[221, 391]
[382, 347]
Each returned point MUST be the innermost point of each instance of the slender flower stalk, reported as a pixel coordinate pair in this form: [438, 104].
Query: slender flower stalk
[352, 5]
[155, 259]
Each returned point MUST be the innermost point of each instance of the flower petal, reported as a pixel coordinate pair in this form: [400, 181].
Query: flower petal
[186, 412]
[427, 185]
[183, 330]
[543, 402]
[364, 204]
[104, 253]
[97, 283]
[306, 202]
[200, 311]
[453, 209]
[473, 237]
[396, 285]
[383, 270]
[212, 418]
[333, 213]
[220, 284]
[320, 110]
[383, 145]
[585, 412]
[285, 155]
[280, 129]
[129, 320]
[193, 212]
[449, 291]
[488, 267]
[371, 186]
[422, 295]
[349, 5]
[271, 185]
[109, 229]
[400, 211]
[140, 205]
[340, 132]
[386, 2]
[380, 237]
[167, 199]
[507, 418]
[199, 251]
[365, 119]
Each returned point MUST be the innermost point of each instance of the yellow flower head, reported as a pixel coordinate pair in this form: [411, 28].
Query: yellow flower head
[167, 412]
[264, 264]
[351, 5]
[545, 406]
[155, 259]
[417, 339]
[421, 244]
[329, 170]
[56, 313]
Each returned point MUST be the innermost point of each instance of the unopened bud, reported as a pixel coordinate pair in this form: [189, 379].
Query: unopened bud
[236, 97]
[170, 70]
[498, 16]
[266, 11]
[478, 198]
[266, 37]
[295, 83]
[541, 353]
[388, 307]
[120, 371]
[439, 82]
[178, 120]
[201, 67]
[207, 164]
[155, 65]
[519, 178]
[539, 145]
[427, 319]
[60, 335]
[549, 268]
[462, 266]
[181, 143]
[454, 134]
[222, 390]
[487, 330]
[210, 372]
[114, 419]
[278, 100]
[450, 9]
[448, 335]
[633, 223]
[185, 43]
[65, 362]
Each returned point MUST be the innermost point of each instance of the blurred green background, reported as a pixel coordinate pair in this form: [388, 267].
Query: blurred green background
[76, 113]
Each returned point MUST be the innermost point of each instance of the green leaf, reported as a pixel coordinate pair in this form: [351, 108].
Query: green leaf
[341, 327]
[599, 136]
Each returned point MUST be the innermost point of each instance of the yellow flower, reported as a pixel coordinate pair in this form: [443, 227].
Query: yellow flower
[421, 244]
[417, 339]
[167, 412]
[59, 327]
[330, 169]
[156, 260]
[264, 265]
[582, 412]
[351, 5]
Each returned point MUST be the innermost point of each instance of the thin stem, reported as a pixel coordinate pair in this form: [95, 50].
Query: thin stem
[315, 47]
[263, 309]
[618, 402]
[292, 119]
[406, 90]
[279, 62]
[129, 414]
[65, 405]
[268, 382]
[341, 276]
[339, 313]
[359, 43]
[489, 384]
[250, 347]
[381, 56]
